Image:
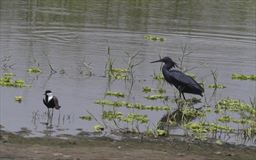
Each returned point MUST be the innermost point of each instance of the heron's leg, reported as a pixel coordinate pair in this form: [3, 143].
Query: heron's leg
[183, 96]
[180, 94]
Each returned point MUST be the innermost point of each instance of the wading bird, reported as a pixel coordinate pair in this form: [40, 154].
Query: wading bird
[50, 101]
[183, 82]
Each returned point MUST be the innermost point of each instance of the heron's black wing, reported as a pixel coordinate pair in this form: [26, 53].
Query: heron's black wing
[184, 79]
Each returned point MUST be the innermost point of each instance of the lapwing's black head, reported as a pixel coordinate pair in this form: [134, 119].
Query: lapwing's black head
[47, 92]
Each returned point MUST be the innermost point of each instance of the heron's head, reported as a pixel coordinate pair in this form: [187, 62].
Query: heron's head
[48, 93]
[167, 60]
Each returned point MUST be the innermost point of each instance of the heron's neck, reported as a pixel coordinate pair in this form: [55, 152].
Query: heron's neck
[168, 66]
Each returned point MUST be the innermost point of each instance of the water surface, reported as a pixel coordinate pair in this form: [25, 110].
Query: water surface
[65, 34]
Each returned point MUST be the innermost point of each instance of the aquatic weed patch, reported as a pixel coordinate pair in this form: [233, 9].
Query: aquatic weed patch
[220, 86]
[159, 76]
[18, 99]
[234, 105]
[154, 38]
[34, 70]
[156, 96]
[238, 76]
[147, 89]
[7, 80]
[86, 117]
[115, 94]
[207, 127]
[130, 105]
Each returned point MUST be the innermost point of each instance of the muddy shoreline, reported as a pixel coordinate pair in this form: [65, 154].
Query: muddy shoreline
[14, 146]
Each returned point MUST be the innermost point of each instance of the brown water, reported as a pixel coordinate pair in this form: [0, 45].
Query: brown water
[220, 34]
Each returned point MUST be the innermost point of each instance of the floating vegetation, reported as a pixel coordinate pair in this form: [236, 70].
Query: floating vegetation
[136, 117]
[86, 117]
[200, 129]
[159, 76]
[18, 98]
[120, 70]
[234, 105]
[110, 115]
[131, 105]
[7, 81]
[187, 102]
[154, 38]
[239, 76]
[34, 70]
[161, 132]
[156, 96]
[161, 90]
[132, 117]
[120, 74]
[221, 86]
[98, 128]
[115, 94]
[147, 89]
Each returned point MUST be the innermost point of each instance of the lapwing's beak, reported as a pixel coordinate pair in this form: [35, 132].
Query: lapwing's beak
[160, 60]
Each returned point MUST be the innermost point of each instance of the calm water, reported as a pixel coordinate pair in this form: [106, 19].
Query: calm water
[220, 35]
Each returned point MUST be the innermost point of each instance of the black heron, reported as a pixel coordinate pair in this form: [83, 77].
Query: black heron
[183, 82]
[50, 101]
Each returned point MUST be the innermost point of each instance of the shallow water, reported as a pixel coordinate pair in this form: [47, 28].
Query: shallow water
[220, 35]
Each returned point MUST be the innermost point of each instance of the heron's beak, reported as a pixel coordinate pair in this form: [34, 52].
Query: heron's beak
[160, 60]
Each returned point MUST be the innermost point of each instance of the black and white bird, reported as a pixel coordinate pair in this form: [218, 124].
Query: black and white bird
[50, 100]
[183, 82]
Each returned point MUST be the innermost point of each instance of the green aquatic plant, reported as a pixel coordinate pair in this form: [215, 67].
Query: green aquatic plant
[147, 89]
[111, 102]
[234, 105]
[86, 117]
[225, 118]
[98, 128]
[238, 76]
[18, 98]
[206, 127]
[129, 105]
[159, 76]
[186, 102]
[7, 80]
[132, 117]
[119, 70]
[156, 96]
[220, 86]
[119, 75]
[115, 94]
[161, 132]
[34, 70]
[111, 115]
[161, 90]
[154, 38]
